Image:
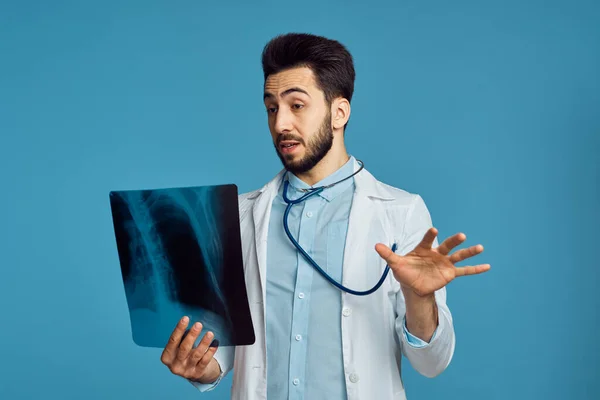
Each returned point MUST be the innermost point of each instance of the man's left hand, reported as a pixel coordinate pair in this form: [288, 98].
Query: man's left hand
[425, 269]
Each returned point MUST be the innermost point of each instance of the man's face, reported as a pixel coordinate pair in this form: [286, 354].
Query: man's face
[299, 119]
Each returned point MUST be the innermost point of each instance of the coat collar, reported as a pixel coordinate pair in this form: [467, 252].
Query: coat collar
[365, 184]
[366, 189]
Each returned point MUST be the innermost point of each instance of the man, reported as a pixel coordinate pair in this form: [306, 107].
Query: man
[313, 340]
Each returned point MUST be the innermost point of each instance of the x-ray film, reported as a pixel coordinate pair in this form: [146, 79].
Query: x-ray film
[180, 254]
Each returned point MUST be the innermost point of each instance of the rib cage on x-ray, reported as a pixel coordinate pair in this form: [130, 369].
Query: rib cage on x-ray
[171, 254]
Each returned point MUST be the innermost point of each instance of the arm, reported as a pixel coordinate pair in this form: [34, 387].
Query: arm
[429, 357]
[424, 323]
[423, 269]
[421, 315]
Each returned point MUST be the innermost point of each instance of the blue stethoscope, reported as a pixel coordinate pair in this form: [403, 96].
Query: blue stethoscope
[312, 192]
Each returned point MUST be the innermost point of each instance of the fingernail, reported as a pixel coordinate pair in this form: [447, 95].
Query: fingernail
[185, 320]
[214, 343]
[197, 325]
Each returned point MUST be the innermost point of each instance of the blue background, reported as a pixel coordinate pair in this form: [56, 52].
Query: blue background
[489, 110]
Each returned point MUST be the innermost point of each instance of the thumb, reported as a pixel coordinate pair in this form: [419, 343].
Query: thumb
[387, 254]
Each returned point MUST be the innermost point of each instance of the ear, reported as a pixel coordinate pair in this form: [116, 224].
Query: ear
[340, 113]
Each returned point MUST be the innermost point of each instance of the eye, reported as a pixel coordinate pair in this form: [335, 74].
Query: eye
[271, 110]
[297, 106]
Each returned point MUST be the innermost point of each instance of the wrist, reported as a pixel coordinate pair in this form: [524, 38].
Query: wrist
[413, 297]
[213, 370]
[421, 314]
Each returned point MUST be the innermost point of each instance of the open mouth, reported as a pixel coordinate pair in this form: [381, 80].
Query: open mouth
[288, 147]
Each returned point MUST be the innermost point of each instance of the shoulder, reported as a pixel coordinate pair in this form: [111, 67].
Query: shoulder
[246, 202]
[395, 197]
[400, 205]
[400, 196]
[249, 197]
[407, 215]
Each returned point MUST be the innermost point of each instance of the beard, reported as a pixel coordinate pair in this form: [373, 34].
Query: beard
[317, 148]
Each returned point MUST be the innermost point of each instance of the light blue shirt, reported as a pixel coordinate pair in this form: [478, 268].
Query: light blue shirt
[304, 338]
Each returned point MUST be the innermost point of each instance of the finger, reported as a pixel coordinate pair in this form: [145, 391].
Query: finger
[472, 270]
[170, 351]
[205, 360]
[199, 351]
[463, 254]
[428, 239]
[450, 243]
[387, 254]
[188, 343]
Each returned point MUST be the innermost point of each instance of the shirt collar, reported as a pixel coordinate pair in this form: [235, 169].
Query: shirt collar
[328, 193]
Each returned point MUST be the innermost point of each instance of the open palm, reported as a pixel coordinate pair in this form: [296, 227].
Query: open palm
[425, 269]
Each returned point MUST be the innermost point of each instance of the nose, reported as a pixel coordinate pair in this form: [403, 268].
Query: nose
[283, 121]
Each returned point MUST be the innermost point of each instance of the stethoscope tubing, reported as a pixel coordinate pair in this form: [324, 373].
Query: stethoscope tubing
[312, 192]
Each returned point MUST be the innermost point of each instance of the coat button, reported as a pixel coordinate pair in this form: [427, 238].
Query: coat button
[353, 377]
[296, 382]
[346, 311]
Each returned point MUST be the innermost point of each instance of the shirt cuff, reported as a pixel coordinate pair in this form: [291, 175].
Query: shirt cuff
[413, 340]
[206, 387]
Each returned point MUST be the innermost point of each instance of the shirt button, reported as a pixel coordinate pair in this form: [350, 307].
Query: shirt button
[353, 377]
[346, 311]
[300, 295]
[309, 214]
[298, 337]
[296, 382]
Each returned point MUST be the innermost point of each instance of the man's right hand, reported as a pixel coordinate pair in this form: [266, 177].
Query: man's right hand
[196, 364]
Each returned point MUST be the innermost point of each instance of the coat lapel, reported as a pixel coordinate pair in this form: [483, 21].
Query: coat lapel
[361, 214]
[261, 213]
[361, 222]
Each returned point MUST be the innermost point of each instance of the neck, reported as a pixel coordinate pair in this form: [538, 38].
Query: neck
[333, 161]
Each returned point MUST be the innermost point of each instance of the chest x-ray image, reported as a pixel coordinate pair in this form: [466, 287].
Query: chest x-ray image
[180, 254]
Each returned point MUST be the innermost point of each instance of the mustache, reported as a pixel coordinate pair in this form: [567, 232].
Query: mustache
[288, 136]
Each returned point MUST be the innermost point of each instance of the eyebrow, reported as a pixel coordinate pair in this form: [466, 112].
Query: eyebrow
[269, 95]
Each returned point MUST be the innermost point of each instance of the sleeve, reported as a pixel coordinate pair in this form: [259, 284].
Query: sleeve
[224, 357]
[433, 357]
[413, 340]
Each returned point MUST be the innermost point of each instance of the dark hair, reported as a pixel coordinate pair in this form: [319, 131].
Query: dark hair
[329, 60]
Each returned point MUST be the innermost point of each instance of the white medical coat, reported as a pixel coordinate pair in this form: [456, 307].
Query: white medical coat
[372, 338]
